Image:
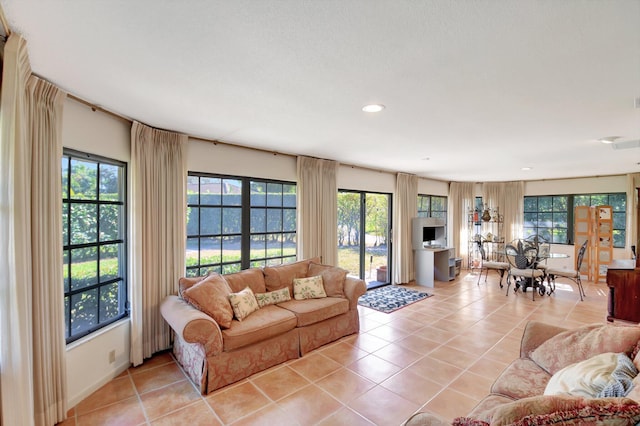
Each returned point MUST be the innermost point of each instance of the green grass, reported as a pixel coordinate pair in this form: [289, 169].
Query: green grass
[349, 259]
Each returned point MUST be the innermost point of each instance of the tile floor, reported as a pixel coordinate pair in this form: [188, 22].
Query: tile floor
[439, 355]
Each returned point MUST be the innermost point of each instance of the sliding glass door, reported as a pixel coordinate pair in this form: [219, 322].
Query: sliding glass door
[364, 227]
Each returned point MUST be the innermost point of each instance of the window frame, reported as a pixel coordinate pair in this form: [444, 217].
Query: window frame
[246, 234]
[570, 206]
[429, 199]
[68, 246]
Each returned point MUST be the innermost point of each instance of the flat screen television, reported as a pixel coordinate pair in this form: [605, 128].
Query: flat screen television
[428, 233]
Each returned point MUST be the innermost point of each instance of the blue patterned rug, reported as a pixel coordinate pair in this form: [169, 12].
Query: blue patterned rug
[390, 298]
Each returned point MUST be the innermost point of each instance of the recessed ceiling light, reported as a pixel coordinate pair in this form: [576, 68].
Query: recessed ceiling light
[609, 139]
[526, 169]
[373, 108]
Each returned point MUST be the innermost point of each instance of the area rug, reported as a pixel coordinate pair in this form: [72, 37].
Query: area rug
[391, 298]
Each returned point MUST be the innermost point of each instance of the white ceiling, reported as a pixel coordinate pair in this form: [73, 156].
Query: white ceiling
[481, 88]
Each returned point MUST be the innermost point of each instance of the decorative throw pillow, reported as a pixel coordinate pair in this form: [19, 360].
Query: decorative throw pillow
[581, 343]
[186, 282]
[308, 288]
[273, 297]
[332, 278]
[243, 303]
[607, 374]
[567, 410]
[277, 277]
[211, 296]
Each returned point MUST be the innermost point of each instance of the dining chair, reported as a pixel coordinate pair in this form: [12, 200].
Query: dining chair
[490, 265]
[572, 274]
[523, 260]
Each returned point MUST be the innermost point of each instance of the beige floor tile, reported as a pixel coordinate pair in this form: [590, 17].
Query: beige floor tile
[345, 417]
[272, 414]
[383, 407]
[450, 404]
[157, 377]
[472, 385]
[390, 334]
[280, 382]
[234, 402]
[461, 359]
[412, 387]
[315, 366]
[126, 412]
[197, 414]
[345, 385]
[435, 370]
[309, 405]
[374, 368]
[159, 402]
[398, 355]
[344, 353]
[116, 390]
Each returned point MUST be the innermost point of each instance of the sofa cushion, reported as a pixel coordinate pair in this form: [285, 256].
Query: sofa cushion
[585, 342]
[635, 390]
[308, 288]
[277, 277]
[253, 278]
[311, 311]
[244, 303]
[211, 296]
[273, 297]
[604, 375]
[187, 282]
[484, 409]
[567, 410]
[332, 278]
[522, 378]
[261, 325]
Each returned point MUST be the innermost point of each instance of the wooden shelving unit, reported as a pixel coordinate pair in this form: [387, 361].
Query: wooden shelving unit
[583, 231]
[604, 241]
[595, 225]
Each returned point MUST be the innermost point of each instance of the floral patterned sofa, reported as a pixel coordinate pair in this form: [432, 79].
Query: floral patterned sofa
[562, 377]
[228, 327]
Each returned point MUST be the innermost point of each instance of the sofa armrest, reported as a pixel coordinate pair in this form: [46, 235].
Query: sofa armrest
[353, 289]
[426, 419]
[192, 325]
[535, 333]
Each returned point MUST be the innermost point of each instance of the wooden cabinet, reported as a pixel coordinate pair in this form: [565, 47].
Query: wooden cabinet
[624, 294]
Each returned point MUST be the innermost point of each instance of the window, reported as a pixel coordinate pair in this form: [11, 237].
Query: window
[551, 216]
[235, 223]
[432, 206]
[94, 244]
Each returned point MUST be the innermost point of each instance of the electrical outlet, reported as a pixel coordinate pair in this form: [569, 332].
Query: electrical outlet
[112, 356]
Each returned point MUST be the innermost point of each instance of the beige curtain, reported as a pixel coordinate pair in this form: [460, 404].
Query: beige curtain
[158, 179]
[460, 201]
[45, 103]
[15, 239]
[406, 208]
[33, 363]
[508, 197]
[317, 209]
[633, 182]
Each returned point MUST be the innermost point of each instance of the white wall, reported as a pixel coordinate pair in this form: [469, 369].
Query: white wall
[88, 366]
